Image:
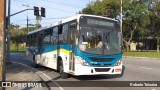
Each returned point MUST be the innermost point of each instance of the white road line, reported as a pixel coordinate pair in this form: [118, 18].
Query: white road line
[41, 73]
[153, 89]
[145, 67]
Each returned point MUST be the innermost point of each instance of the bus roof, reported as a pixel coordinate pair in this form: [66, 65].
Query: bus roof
[67, 20]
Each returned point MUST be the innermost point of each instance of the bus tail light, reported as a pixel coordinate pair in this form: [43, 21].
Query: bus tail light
[82, 61]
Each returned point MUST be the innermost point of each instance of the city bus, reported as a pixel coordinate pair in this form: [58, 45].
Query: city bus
[79, 45]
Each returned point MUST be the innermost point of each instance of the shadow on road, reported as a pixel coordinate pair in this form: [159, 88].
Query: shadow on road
[15, 68]
[85, 77]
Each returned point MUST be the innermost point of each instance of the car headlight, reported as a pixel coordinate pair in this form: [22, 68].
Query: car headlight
[118, 63]
[82, 61]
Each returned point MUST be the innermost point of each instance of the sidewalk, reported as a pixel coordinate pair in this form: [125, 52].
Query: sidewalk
[16, 72]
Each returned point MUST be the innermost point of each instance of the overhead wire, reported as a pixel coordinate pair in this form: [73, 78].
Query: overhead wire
[43, 19]
[46, 7]
[17, 4]
[20, 1]
[62, 3]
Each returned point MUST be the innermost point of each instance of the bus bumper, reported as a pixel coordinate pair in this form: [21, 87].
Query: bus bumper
[88, 70]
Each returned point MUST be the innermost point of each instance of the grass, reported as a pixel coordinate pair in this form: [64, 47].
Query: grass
[142, 54]
[20, 48]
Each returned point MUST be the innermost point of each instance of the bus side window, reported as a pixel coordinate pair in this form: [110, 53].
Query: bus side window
[60, 34]
[54, 37]
[40, 38]
[31, 40]
[27, 41]
[36, 39]
[64, 33]
[47, 36]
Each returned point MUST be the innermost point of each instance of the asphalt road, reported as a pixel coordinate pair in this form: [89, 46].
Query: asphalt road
[135, 69]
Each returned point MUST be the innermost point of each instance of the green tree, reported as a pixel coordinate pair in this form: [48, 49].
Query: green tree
[134, 11]
[17, 37]
[87, 9]
[155, 25]
[136, 19]
[38, 20]
[107, 8]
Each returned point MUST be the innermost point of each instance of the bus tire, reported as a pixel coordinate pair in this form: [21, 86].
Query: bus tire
[34, 62]
[63, 75]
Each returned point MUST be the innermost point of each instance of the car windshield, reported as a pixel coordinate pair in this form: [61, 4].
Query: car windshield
[99, 41]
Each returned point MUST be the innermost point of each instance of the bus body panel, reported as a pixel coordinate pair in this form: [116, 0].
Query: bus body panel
[88, 70]
[47, 55]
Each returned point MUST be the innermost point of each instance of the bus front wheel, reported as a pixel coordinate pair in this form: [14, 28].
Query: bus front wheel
[63, 75]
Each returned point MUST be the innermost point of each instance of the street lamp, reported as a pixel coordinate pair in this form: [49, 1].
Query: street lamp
[27, 15]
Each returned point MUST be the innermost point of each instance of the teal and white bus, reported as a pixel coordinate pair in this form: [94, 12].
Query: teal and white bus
[79, 45]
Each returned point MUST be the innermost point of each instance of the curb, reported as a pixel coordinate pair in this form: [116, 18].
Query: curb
[139, 57]
[25, 67]
[40, 72]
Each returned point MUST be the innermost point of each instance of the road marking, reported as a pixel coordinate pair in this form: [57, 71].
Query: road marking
[41, 73]
[145, 68]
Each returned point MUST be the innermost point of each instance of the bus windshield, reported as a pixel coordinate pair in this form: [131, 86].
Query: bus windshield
[99, 41]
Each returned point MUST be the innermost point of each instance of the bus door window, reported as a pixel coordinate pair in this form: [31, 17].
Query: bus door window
[72, 34]
[63, 35]
[72, 42]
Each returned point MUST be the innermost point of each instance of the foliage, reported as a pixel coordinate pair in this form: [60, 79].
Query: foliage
[138, 20]
[38, 20]
[109, 8]
[18, 35]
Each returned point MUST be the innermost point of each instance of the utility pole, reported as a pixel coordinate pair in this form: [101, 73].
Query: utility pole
[121, 17]
[27, 17]
[8, 32]
[2, 40]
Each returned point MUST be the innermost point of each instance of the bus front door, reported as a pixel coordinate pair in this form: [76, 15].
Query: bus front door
[72, 40]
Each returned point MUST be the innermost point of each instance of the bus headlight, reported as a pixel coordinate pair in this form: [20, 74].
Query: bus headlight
[82, 61]
[118, 63]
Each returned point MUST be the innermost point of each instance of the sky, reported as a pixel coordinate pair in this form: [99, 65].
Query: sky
[56, 10]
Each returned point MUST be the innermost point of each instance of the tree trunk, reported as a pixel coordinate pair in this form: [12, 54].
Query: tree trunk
[147, 45]
[127, 46]
[16, 47]
[158, 42]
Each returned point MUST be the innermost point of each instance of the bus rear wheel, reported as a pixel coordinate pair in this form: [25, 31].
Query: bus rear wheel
[63, 75]
[34, 62]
